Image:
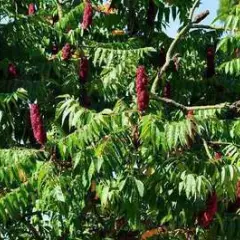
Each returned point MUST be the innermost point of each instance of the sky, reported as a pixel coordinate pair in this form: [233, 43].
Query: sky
[211, 5]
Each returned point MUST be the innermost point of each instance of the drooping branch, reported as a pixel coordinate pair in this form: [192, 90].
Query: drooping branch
[172, 46]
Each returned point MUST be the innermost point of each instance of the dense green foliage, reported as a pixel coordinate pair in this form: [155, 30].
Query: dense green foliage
[153, 169]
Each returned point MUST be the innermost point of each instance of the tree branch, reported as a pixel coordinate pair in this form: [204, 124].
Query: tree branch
[172, 46]
[208, 27]
[223, 143]
[32, 229]
[59, 9]
[185, 108]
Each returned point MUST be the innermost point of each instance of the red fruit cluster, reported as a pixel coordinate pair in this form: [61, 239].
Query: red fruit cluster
[218, 155]
[31, 9]
[87, 15]
[151, 13]
[12, 70]
[66, 52]
[37, 124]
[167, 90]
[83, 70]
[205, 217]
[210, 62]
[141, 89]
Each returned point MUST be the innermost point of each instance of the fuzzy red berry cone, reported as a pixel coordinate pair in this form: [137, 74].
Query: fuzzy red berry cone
[167, 90]
[31, 9]
[205, 217]
[83, 70]
[12, 70]
[141, 89]
[142, 79]
[218, 155]
[87, 15]
[66, 52]
[143, 100]
[37, 124]
[210, 62]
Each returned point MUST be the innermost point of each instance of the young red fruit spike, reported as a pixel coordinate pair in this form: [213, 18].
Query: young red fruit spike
[31, 9]
[83, 70]
[210, 62]
[37, 124]
[143, 100]
[12, 70]
[218, 155]
[141, 89]
[66, 52]
[87, 15]
[205, 217]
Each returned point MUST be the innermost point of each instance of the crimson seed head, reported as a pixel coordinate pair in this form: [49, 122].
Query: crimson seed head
[83, 70]
[66, 52]
[142, 79]
[37, 124]
[31, 9]
[87, 15]
[12, 70]
[218, 155]
[141, 88]
[205, 217]
[143, 100]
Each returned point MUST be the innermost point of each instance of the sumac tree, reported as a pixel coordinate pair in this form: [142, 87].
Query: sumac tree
[111, 129]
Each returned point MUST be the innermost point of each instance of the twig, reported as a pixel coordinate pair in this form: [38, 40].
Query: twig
[185, 108]
[172, 46]
[169, 101]
[163, 230]
[208, 27]
[59, 9]
[32, 229]
[223, 143]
